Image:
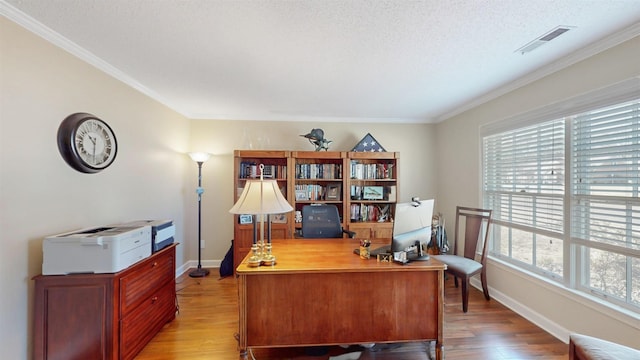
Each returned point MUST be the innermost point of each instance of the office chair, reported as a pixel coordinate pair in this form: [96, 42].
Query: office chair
[464, 266]
[322, 221]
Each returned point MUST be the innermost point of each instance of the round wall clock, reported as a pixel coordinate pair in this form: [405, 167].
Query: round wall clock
[86, 143]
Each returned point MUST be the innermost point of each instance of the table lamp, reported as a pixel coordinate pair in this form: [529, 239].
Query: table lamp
[261, 197]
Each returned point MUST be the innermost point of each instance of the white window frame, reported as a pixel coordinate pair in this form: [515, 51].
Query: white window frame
[574, 249]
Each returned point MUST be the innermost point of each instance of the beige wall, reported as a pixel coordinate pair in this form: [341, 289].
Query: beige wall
[416, 144]
[459, 169]
[41, 195]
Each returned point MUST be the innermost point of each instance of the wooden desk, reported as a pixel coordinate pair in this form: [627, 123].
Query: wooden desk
[320, 293]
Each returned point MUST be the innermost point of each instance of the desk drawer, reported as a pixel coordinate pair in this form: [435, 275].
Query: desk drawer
[149, 277]
[144, 321]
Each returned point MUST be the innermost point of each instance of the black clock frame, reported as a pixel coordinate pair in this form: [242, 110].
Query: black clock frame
[67, 145]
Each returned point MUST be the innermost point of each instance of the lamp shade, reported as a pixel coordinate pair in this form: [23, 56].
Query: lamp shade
[261, 197]
[199, 156]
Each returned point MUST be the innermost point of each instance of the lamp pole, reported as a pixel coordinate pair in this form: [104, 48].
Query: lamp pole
[199, 272]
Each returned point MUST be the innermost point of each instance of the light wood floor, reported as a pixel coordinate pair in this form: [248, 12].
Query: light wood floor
[207, 321]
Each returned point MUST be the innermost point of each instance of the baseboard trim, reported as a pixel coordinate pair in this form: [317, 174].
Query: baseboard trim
[539, 320]
[192, 264]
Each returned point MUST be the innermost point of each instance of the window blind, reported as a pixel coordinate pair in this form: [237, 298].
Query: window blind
[523, 175]
[606, 175]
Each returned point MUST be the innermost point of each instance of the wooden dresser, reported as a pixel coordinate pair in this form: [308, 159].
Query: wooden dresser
[104, 316]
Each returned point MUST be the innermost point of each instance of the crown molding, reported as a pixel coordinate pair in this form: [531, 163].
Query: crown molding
[69, 46]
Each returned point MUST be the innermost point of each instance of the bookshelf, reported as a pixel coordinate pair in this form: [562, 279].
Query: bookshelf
[363, 185]
[372, 193]
[319, 178]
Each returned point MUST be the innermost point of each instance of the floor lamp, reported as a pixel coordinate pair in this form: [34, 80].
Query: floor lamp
[261, 197]
[199, 158]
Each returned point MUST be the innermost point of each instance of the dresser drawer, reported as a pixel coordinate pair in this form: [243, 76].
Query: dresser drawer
[147, 278]
[144, 321]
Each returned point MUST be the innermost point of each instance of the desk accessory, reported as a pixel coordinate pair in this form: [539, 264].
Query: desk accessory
[316, 137]
[386, 258]
[261, 197]
[365, 246]
[199, 158]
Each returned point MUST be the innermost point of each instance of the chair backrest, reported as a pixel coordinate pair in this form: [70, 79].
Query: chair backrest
[321, 221]
[476, 228]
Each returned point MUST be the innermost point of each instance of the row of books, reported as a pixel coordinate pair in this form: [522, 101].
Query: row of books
[372, 171]
[251, 170]
[318, 171]
[370, 212]
[310, 192]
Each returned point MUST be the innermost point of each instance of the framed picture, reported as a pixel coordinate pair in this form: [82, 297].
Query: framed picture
[301, 195]
[373, 193]
[333, 191]
[279, 218]
[245, 219]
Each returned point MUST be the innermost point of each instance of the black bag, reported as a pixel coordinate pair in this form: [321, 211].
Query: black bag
[226, 266]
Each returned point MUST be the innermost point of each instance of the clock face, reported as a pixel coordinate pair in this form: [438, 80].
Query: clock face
[87, 143]
[94, 142]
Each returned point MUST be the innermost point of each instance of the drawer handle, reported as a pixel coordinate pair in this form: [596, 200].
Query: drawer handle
[154, 299]
[155, 263]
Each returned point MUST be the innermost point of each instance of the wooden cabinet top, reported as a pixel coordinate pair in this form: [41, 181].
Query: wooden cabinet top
[373, 155]
[262, 153]
[315, 154]
[319, 154]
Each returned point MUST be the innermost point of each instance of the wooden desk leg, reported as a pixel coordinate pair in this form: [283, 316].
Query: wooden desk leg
[439, 351]
[440, 339]
[242, 312]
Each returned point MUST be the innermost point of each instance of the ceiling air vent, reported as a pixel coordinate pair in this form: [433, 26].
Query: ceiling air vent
[544, 39]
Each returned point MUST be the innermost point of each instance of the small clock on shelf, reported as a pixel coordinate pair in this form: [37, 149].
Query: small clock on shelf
[87, 143]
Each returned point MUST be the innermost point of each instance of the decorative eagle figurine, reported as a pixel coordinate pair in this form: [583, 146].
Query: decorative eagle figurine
[316, 137]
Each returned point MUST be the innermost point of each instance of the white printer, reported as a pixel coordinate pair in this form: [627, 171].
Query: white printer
[162, 232]
[95, 250]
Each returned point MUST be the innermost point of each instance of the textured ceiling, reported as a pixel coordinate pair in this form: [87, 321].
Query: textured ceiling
[322, 60]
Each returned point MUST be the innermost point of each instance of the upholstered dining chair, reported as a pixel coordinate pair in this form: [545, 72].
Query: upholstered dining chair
[464, 265]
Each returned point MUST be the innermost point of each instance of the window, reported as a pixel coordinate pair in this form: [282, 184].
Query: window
[605, 202]
[585, 234]
[524, 185]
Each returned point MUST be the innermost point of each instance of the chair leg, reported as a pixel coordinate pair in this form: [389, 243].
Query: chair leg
[465, 294]
[485, 287]
[455, 281]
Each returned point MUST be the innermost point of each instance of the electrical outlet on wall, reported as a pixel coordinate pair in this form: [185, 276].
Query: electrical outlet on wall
[201, 244]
